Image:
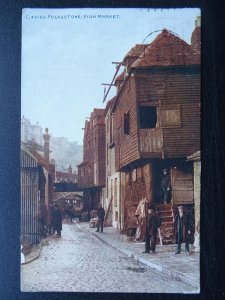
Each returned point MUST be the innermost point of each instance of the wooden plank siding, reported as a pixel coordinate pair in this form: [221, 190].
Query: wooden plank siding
[151, 140]
[136, 189]
[176, 88]
[182, 187]
[126, 145]
[30, 197]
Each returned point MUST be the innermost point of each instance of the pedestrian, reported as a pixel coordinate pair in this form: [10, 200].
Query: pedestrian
[166, 187]
[140, 213]
[153, 222]
[49, 219]
[42, 219]
[71, 213]
[182, 229]
[57, 220]
[101, 216]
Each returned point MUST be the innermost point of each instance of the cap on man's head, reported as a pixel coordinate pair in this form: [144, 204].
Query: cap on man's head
[165, 170]
[180, 207]
[152, 207]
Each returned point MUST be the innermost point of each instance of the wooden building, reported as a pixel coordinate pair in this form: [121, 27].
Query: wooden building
[37, 178]
[91, 172]
[156, 117]
[33, 182]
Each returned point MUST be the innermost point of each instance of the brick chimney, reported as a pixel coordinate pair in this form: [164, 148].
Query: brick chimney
[46, 145]
[196, 35]
[70, 170]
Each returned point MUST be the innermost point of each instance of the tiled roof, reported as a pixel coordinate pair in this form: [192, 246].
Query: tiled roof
[109, 104]
[98, 111]
[135, 51]
[119, 78]
[84, 163]
[194, 156]
[167, 50]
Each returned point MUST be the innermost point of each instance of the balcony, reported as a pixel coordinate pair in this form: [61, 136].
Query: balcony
[151, 140]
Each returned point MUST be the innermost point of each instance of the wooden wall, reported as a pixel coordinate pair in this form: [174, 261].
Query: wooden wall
[174, 89]
[126, 145]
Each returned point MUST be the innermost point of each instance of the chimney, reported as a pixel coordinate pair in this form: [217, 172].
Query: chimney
[196, 36]
[70, 170]
[46, 146]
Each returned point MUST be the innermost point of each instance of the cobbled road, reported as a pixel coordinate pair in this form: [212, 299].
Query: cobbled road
[79, 262]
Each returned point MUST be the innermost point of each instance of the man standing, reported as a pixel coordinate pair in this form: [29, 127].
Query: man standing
[57, 220]
[153, 223]
[182, 230]
[166, 187]
[101, 215]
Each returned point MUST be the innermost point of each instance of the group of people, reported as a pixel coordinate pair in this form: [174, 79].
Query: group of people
[50, 220]
[148, 221]
[182, 230]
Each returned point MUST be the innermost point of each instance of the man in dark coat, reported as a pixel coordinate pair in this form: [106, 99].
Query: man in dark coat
[101, 215]
[57, 220]
[182, 229]
[153, 223]
[166, 187]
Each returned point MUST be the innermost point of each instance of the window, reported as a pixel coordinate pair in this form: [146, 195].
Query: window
[115, 192]
[126, 123]
[148, 116]
[170, 116]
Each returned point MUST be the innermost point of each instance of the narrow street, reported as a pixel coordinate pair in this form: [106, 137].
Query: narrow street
[79, 262]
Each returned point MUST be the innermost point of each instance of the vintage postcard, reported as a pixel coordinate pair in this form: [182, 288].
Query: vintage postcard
[110, 150]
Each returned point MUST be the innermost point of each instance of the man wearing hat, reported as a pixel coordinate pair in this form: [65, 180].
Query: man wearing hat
[153, 223]
[166, 187]
[101, 215]
[182, 229]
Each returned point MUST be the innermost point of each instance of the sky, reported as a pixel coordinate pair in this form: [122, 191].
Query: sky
[67, 54]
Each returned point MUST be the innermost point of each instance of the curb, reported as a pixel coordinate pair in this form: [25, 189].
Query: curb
[174, 274]
[35, 257]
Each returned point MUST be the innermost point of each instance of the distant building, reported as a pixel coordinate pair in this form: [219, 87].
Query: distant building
[31, 132]
[68, 176]
[91, 172]
[64, 152]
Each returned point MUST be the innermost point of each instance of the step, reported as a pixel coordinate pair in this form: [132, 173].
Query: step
[168, 241]
[168, 223]
[164, 211]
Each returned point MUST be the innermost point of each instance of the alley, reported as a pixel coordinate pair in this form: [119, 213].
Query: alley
[79, 262]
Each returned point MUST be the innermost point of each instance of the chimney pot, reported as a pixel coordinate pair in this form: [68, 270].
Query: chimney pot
[198, 22]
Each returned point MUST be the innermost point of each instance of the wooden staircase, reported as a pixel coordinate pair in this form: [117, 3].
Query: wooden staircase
[166, 230]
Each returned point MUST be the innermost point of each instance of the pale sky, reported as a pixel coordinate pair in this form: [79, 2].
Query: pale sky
[68, 53]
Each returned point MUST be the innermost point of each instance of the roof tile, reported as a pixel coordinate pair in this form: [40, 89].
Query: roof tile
[167, 50]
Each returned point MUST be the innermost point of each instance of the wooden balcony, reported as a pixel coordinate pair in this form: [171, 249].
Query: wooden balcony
[151, 140]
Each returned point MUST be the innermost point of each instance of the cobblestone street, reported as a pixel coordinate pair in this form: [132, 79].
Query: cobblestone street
[79, 262]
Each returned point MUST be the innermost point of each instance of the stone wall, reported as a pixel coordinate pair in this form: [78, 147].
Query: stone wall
[197, 189]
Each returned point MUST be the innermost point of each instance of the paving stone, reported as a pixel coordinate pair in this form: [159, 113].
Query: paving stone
[79, 262]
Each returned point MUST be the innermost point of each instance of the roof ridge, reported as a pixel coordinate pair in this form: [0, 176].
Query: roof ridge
[165, 50]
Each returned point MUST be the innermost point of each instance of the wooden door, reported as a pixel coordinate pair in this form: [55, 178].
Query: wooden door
[182, 186]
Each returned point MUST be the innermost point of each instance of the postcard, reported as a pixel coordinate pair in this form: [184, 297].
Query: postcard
[110, 150]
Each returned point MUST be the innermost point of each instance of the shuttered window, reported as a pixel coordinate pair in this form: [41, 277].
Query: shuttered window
[170, 116]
